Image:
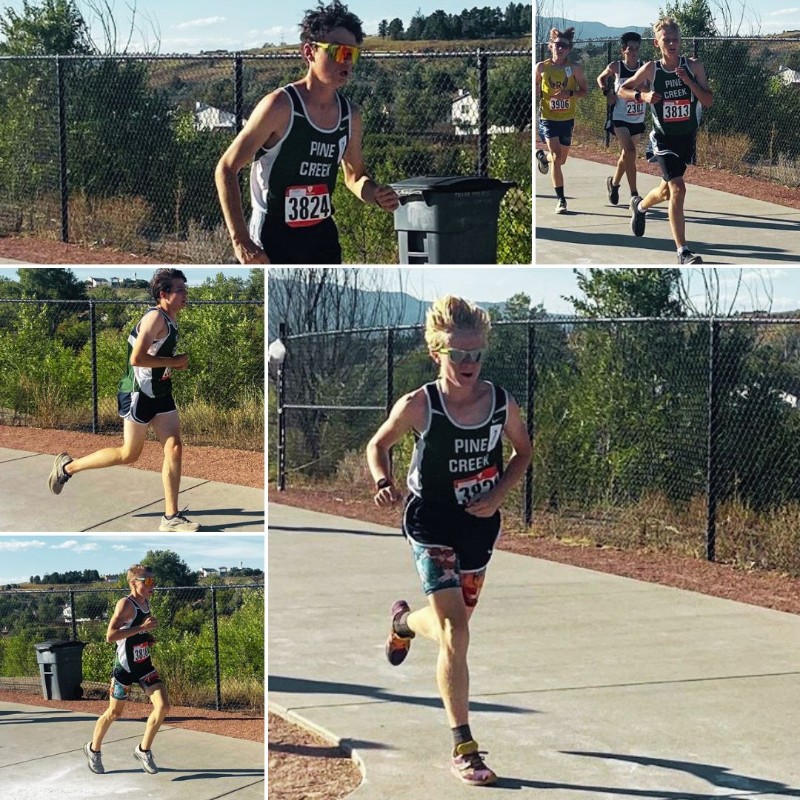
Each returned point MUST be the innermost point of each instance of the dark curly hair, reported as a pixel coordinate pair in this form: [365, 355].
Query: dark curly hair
[321, 20]
[162, 281]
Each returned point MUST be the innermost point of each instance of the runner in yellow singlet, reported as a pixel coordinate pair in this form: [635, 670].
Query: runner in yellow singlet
[558, 85]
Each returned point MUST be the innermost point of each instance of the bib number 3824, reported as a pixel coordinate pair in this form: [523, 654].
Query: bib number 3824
[467, 489]
[307, 205]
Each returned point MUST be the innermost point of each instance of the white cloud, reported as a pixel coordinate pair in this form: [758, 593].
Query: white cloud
[75, 546]
[783, 11]
[203, 22]
[22, 545]
[121, 547]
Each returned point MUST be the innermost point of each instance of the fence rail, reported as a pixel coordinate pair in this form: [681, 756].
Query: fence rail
[209, 642]
[122, 150]
[649, 425]
[61, 361]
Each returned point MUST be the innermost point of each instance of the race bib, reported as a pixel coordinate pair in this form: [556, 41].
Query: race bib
[677, 110]
[141, 652]
[558, 104]
[634, 109]
[467, 489]
[307, 205]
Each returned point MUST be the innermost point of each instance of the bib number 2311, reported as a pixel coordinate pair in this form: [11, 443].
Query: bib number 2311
[307, 205]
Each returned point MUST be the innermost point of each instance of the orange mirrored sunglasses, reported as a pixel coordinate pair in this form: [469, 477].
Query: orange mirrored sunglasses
[148, 581]
[340, 53]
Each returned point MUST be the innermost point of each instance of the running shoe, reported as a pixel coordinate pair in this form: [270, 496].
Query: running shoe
[613, 191]
[58, 477]
[469, 767]
[94, 759]
[397, 646]
[638, 218]
[543, 163]
[145, 759]
[688, 257]
[561, 206]
[178, 523]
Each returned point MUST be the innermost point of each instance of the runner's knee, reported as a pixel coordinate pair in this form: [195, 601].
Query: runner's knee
[454, 633]
[130, 453]
[173, 448]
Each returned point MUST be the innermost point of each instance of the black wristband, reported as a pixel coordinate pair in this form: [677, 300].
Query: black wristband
[606, 91]
[571, 93]
[637, 96]
[384, 483]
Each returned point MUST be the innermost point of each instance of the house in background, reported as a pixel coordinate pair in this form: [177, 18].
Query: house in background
[464, 116]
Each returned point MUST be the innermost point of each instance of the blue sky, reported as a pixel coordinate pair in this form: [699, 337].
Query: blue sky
[189, 26]
[194, 275]
[23, 556]
[761, 288]
[759, 17]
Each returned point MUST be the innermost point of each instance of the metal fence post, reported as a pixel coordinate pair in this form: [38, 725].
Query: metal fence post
[238, 94]
[93, 338]
[281, 380]
[529, 420]
[74, 616]
[389, 379]
[713, 419]
[483, 114]
[62, 149]
[216, 647]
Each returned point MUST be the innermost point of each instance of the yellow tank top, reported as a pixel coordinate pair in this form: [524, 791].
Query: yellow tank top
[554, 79]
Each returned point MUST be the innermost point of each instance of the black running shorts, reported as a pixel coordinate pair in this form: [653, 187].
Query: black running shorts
[314, 244]
[138, 407]
[472, 538]
[673, 154]
[634, 128]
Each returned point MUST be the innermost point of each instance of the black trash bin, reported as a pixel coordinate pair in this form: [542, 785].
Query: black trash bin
[448, 220]
[61, 669]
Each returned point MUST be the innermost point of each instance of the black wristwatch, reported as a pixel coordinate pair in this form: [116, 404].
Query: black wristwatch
[384, 483]
[637, 96]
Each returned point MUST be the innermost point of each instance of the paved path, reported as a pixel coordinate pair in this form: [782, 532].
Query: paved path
[41, 758]
[584, 685]
[117, 499]
[723, 228]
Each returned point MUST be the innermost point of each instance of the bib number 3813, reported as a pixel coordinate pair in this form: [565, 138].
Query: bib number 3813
[467, 489]
[307, 205]
[677, 110]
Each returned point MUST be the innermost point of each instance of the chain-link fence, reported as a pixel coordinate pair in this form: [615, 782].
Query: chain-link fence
[61, 362]
[209, 648]
[748, 130]
[122, 150]
[682, 433]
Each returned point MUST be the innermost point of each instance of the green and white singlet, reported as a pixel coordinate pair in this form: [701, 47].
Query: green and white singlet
[453, 464]
[679, 112]
[294, 179]
[151, 381]
[133, 654]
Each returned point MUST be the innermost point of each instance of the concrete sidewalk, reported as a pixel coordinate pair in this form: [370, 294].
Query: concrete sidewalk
[722, 228]
[41, 758]
[583, 684]
[116, 499]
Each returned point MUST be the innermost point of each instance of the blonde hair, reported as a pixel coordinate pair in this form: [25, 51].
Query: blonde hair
[666, 24]
[137, 571]
[449, 314]
[568, 34]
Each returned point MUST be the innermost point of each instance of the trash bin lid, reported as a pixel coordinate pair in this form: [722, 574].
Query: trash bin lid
[450, 183]
[57, 644]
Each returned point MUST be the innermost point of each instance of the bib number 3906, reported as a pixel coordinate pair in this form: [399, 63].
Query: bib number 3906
[467, 489]
[307, 205]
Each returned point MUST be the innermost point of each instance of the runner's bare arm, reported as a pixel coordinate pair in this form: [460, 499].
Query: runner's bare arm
[123, 614]
[408, 413]
[151, 328]
[355, 172]
[643, 78]
[522, 450]
[602, 79]
[266, 126]
[699, 85]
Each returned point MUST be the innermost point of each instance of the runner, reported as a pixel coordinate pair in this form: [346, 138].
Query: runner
[145, 399]
[627, 116]
[558, 86]
[677, 90]
[296, 139]
[451, 519]
[129, 629]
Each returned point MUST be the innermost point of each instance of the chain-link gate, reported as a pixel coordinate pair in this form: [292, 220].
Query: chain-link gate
[745, 132]
[209, 648]
[121, 150]
[61, 362]
[644, 429]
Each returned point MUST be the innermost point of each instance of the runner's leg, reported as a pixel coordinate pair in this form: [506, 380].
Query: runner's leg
[677, 220]
[627, 158]
[167, 428]
[113, 712]
[133, 438]
[160, 700]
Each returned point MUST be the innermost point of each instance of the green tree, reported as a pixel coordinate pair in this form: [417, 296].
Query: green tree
[51, 283]
[396, 29]
[169, 569]
[51, 27]
[694, 17]
[383, 28]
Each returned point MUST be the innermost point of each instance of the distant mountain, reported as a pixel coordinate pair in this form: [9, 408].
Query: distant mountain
[583, 30]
